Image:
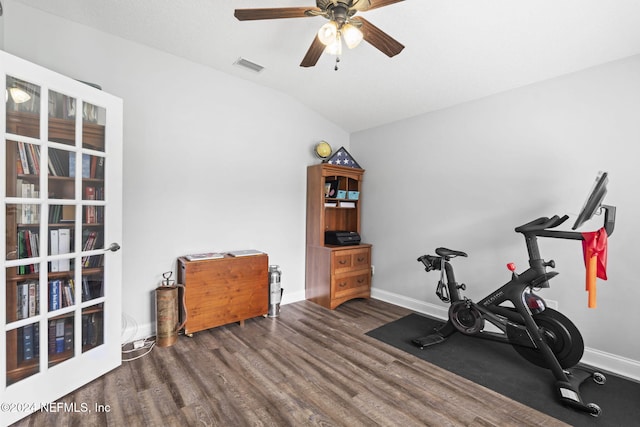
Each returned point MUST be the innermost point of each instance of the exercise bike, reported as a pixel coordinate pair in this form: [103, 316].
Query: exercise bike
[543, 336]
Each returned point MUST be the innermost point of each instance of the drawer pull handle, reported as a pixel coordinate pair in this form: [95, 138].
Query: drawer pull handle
[361, 280]
[361, 259]
[342, 284]
[342, 261]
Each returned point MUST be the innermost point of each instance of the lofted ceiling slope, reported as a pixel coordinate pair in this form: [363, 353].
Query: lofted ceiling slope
[455, 50]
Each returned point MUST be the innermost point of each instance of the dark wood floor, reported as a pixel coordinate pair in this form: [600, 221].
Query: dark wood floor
[310, 366]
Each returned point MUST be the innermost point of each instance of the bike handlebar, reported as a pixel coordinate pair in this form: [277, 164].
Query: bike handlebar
[542, 223]
[541, 226]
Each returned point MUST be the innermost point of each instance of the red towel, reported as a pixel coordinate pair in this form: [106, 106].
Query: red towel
[594, 247]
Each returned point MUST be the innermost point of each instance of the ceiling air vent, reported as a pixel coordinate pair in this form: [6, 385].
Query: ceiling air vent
[241, 62]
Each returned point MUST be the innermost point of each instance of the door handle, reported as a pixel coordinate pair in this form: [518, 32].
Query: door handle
[114, 247]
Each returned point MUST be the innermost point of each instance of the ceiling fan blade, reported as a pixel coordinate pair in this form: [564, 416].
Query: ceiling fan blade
[313, 54]
[372, 4]
[275, 13]
[379, 39]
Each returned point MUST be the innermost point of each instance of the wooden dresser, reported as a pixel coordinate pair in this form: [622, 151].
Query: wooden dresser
[225, 290]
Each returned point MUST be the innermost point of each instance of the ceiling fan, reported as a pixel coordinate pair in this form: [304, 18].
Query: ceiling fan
[342, 25]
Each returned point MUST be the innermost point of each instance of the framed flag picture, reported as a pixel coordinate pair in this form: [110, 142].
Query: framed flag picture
[342, 158]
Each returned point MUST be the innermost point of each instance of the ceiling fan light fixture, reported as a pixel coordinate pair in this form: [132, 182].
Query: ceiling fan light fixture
[352, 35]
[335, 48]
[328, 32]
[18, 95]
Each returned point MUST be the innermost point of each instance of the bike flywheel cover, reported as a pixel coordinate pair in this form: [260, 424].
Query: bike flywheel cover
[466, 318]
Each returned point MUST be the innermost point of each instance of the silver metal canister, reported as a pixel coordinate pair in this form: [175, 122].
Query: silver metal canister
[275, 291]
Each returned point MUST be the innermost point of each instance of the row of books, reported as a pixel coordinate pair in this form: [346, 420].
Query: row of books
[28, 299]
[92, 287]
[60, 339]
[92, 329]
[28, 213]
[93, 214]
[66, 213]
[93, 261]
[60, 163]
[94, 193]
[61, 213]
[28, 342]
[60, 242]
[29, 155]
[28, 247]
[61, 336]
[61, 294]
[92, 240]
[26, 189]
[92, 166]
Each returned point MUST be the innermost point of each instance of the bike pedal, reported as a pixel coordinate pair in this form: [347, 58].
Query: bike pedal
[428, 340]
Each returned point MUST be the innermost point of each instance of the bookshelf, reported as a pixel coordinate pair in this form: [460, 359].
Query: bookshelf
[61, 285]
[335, 274]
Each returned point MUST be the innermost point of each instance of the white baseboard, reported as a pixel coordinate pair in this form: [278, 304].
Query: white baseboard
[600, 359]
[133, 331]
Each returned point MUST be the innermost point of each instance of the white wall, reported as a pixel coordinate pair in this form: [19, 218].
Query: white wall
[211, 162]
[465, 177]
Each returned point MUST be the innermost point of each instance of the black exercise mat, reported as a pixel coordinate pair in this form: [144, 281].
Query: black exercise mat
[497, 366]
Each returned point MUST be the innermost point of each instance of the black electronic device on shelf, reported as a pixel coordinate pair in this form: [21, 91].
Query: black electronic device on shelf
[341, 238]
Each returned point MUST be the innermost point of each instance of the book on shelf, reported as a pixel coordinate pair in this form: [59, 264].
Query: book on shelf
[64, 247]
[28, 342]
[23, 158]
[27, 299]
[92, 287]
[29, 214]
[90, 193]
[245, 252]
[54, 295]
[53, 243]
[60, 326]
[68, 336]
[61, 293]
[26, 189]
[92, 329]
[204, 255]
[100, 168]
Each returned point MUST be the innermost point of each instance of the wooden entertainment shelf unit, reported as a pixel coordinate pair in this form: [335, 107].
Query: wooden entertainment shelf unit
[225, 290]
[335, 274]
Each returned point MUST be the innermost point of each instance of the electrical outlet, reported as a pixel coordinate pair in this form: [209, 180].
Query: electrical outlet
[138, 344]
[373, 270]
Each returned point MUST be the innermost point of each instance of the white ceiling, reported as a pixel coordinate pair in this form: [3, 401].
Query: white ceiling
[455, 50]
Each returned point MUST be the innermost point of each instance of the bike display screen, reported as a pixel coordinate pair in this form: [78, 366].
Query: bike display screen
[594, 200]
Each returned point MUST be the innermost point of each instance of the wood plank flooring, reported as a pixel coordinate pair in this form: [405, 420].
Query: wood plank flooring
[309, 367]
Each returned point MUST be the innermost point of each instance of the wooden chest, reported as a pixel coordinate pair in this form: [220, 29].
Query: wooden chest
[222, 291]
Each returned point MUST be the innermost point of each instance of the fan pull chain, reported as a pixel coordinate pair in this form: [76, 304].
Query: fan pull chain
[337, 60]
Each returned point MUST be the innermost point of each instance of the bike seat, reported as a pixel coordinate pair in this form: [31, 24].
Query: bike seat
[448, 253]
